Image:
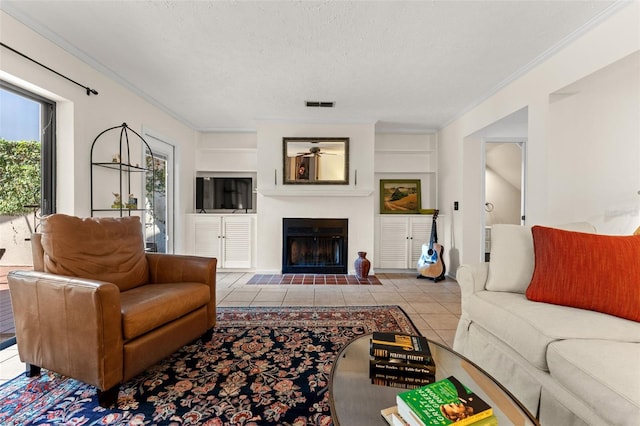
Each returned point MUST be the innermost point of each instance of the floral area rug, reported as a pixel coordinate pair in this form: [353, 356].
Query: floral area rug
[258, 366]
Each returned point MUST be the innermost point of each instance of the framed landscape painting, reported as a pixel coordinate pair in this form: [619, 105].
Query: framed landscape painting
[400, 196]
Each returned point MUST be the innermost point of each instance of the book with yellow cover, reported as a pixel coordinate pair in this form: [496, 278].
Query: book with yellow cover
[444, 402]
[406, 347]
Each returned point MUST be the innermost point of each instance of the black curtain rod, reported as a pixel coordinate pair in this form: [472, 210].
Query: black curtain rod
[89, 90]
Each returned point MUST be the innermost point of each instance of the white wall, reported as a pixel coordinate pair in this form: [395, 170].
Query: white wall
[276, 201]
[594, 126]
[555, 176]
[80, 117]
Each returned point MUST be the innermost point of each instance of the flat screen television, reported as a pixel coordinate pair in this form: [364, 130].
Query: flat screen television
[224, 194]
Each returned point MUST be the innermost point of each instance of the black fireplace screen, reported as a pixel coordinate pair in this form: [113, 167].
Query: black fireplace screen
[314, 246]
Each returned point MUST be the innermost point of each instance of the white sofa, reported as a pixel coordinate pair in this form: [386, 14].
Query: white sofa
[568, 366]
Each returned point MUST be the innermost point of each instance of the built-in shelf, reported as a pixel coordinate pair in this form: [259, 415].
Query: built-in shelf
[409, 156]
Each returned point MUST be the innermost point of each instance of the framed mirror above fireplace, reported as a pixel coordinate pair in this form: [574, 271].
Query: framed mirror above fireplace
[312, 161]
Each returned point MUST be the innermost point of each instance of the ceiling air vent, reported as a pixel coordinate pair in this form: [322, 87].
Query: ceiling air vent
[319, 104]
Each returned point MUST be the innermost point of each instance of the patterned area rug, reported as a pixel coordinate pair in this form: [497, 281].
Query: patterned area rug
[313, 279]
[258, 366]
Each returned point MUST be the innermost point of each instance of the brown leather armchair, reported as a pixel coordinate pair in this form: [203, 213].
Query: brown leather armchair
[99, 309]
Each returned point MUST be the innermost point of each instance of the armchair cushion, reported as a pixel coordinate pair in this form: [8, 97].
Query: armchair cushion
[150, 306]
[104, 249]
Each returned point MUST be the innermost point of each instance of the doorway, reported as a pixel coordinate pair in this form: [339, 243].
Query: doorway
[511, 129]
[503, 185]
[159, 194]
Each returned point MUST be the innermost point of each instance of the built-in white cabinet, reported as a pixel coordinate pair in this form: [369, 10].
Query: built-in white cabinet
[399, 240]
[229, 238]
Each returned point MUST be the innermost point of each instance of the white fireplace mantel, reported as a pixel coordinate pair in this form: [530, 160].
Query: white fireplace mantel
[316, 192]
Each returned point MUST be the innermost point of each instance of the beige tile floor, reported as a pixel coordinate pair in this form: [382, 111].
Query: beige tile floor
[434, 308]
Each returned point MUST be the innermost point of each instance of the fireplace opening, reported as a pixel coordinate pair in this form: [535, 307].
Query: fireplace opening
[314, 246]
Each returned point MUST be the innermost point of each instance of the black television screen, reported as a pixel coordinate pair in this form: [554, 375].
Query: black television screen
[224, 193]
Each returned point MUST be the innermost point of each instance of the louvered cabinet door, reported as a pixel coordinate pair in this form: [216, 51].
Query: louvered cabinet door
[237, 240]
[420, 231]
[207, 235]
[394, 240]
[401, 239]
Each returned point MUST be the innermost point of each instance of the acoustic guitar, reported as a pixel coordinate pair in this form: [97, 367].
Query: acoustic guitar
[430, 264]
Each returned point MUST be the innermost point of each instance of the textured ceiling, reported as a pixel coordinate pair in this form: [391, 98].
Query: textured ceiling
[223, 65]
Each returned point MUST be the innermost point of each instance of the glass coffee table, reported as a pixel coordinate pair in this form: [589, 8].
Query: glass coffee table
[356, 401]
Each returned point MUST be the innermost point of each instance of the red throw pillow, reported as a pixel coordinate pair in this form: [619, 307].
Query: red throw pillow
[589, 271]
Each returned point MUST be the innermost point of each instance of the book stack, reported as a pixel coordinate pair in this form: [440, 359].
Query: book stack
[443, 402]
[400, 360]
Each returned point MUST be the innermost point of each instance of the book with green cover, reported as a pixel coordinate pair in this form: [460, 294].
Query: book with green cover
[402, 346]
[393, 418]
[444, 402]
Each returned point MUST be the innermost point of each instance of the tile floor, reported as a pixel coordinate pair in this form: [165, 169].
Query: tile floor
[434, 308]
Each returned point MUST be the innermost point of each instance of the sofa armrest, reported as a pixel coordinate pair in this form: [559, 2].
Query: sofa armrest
[173, 268]
[69, 325]
[472, 278]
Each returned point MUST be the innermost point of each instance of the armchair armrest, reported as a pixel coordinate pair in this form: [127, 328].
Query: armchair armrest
[173, 268]
[69, 325]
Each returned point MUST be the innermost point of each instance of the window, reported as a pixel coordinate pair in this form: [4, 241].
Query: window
[25, 116]
[27, 183]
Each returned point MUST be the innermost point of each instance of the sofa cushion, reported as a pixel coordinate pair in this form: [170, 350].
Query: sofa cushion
[512, 256]
[529, 327]
[104, 249]
[511, 265]
[602, 373]
[150, 306]
[588, 271]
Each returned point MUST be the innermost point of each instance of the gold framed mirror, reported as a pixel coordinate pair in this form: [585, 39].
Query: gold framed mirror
[312, 161]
